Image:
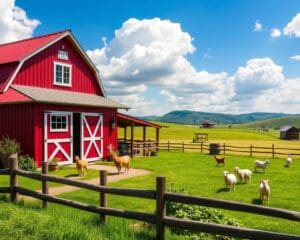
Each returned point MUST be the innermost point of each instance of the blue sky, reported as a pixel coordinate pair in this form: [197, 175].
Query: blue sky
[172, 55]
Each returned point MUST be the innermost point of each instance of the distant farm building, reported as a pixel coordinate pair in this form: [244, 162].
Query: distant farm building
[208, 125]
[289, 133]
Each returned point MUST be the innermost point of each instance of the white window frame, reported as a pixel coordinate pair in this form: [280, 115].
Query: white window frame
[59, 114]
[70, 74]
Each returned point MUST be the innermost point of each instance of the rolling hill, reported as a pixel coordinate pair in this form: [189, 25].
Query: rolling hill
[196, 118]
[275, 123]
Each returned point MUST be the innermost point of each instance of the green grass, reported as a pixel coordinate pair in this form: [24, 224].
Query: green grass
[274, 123]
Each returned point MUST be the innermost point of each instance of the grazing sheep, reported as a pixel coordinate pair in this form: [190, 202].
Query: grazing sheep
[244, 174]
[230, 180]
[264, 191]
[289, 160]
[120, 162]
[220, 160]
[261, 164]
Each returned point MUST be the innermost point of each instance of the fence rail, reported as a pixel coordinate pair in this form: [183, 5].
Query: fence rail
[224, 149]
[160, 195]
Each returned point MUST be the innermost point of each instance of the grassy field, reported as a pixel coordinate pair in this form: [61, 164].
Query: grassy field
[199, 176]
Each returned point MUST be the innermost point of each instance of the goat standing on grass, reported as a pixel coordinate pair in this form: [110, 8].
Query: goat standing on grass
[289, 160]
[261, 164]
[81, 165]
[220, 160]
[230, 180]
[120, 162]
[264, 191]
[244, 174]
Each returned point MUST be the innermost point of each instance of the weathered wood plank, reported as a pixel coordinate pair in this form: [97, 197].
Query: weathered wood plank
[4, 171]
[146, 217]
[4, 189]
[226, 230]
[141, 193]
[243, 207]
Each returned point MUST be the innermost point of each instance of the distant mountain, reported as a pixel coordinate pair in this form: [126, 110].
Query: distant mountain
[276, 123]
[196, 118]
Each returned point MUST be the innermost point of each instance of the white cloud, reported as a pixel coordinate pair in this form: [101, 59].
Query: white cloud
[295, 58]
[275, 33]
[257, 26]
[293, 27]
[152, 54]
[14, 23]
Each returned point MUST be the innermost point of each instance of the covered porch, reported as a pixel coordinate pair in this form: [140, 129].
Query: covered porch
[143, 146]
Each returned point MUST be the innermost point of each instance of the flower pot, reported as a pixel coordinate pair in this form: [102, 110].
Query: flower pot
[5, 159]
[53, 167]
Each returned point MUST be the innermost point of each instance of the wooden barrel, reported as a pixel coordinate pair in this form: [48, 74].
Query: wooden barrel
[214, 148]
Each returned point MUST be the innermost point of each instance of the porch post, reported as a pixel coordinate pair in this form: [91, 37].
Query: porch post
[125, 134]
[157, 138]
[132, 139]
[144, 140]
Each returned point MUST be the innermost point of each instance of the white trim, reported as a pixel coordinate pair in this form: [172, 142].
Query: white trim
[58, 141]
[92, 136]
[55, 63]
[62, 115]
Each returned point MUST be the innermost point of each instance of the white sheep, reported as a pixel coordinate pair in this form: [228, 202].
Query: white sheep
[261, 164]
[289, 160]
[244, 174]
[264, 190]
[230, 180]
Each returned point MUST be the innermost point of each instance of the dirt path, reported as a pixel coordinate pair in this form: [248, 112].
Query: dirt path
[112, 176]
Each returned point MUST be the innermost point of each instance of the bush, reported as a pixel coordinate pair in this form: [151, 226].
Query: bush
[8, 145]
[26, 163]
[197, 213]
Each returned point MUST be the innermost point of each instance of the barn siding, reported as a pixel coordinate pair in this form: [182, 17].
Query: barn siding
[38, 71]
[109, 135]
[17, 122]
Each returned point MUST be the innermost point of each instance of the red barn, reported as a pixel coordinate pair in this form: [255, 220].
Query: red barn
[52, 100]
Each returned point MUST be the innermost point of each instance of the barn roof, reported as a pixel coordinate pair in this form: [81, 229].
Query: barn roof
[286, 128]
[14, 54]
[126, 120]
[44, 95]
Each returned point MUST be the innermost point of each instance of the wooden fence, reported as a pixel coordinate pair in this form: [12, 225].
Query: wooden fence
[160, 195]
[224, 149]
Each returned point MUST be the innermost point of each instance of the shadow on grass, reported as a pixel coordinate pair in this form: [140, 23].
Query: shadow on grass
[256, 201]
[113, 173]
[222, 190]
[71, 175]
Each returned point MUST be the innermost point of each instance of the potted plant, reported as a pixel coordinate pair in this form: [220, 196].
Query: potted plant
[53, 164]
[8, 148]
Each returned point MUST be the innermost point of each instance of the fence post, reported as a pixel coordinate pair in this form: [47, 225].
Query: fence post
[168, 145]
[13, 160]
[224, 148]
[160, 207]
[201, 145]
[250, 150]
[273, 151]
[45, 187]
[182, 146]
[103, 196]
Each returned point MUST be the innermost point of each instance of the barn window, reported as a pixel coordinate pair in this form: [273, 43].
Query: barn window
[59, 123]
[62, 74]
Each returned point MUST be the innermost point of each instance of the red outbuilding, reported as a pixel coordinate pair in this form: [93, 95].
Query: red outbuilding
[52, 100]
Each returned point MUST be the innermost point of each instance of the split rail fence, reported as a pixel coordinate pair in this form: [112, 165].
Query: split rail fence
[160, 195]
[250, 150]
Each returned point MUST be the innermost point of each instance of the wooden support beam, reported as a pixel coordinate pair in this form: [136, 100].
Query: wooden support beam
[132, 139]
[144, 140]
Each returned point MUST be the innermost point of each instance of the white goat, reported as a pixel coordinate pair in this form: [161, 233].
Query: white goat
[230, 180]
[264, 191]
[244, 174]
[289, 160]
[261, 164]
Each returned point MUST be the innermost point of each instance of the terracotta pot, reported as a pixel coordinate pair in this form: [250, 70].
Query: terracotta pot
[5, 159]
[53, 167]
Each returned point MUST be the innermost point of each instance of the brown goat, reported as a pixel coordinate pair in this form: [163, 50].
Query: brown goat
[81, 165]
[120, 162]
[220, 160]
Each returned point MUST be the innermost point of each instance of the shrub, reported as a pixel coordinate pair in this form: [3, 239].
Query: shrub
[197, 213]
[27, 163]
[8, 145]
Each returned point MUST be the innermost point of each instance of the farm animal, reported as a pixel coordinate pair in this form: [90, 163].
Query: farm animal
[261, 164]
[244, 174]
[289, 160]
[81, 166]
[264, 191]
[230, 180]
[120, 162]
[220, 160]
